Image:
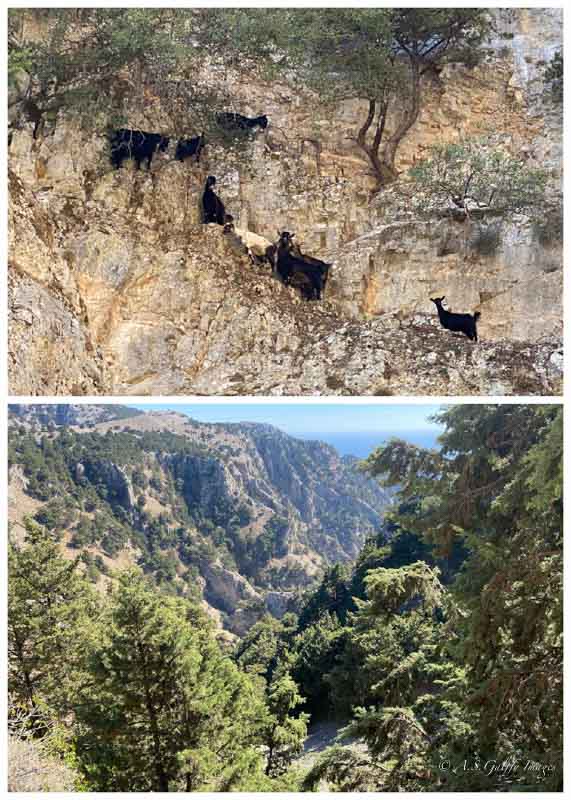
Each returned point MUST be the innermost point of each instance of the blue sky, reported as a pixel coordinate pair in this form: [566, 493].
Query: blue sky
[304, 418]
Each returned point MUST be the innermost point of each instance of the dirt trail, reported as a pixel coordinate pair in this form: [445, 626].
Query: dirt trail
[322, 735]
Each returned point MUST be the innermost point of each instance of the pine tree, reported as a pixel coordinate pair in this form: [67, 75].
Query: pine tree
[496, 486]
[49, 608]
[160, 708]
[313, 654]
[265, 645]
[331, 596]
[468, 675]
[285, 733]
[399, 671]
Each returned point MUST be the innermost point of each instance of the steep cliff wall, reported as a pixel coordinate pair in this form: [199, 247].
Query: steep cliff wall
[116, 287]
[238, 515]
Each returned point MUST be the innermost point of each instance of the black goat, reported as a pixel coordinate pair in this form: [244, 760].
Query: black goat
[138, 145]
[232, 121]
[295, 250]
[464, 323]
[293, 270]
[305, 284]
[212, 206]
[324, 266]
[189, 147]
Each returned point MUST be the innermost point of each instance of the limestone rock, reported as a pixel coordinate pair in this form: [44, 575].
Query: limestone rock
[246, 514]
[116, 287]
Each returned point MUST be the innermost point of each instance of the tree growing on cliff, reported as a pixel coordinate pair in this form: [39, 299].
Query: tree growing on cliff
[425, 39]
[377, 55]
[380, 56]
[102, 63]
[95, 62]
[553, 77]
[476, 175]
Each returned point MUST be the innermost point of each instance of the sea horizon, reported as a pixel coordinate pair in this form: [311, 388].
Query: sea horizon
[361, 443]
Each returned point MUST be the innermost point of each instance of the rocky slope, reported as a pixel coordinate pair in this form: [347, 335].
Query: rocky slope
[115, 287]
[241, 514]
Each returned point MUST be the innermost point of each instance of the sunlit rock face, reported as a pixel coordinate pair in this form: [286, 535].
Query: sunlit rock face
[286, 507]
[116, 287]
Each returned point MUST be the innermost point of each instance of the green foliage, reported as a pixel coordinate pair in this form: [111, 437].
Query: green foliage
[446, 684]
[396, 547]
[332, 596]
[94, 62]
[377, 55]
[436, 678]
[253, 553]
[48, 605]
[55, 514]
[265, 645]
[476, 175]
[390, 589]
[156, 668]
[285, 733]
[314, 653]
[96, 669]
[496, 485]
[90, 474]
[352, 44]
[395, 662]
[86, 56]
[91, 569]
[343, 769]
[431, 35]
[20, 60]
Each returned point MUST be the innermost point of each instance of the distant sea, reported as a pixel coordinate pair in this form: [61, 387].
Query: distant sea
[362, 443]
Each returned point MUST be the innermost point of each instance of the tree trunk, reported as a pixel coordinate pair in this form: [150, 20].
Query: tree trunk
[269, 763]
[26, 673]
[391, 147]
[372, 150]
[271, 746]
[380, 169]
[361, 136]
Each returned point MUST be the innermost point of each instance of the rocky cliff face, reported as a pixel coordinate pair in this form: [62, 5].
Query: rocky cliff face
[66, 415]
[116, 287]
[244, 514]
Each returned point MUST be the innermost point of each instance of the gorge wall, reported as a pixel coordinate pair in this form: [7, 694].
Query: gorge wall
[240, 515]
[116, 287]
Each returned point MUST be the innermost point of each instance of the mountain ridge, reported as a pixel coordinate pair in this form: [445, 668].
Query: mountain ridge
[236, 513]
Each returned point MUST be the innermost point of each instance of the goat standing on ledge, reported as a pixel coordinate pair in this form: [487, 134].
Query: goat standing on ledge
[464, 323]
[259, 249]
[309, 276]
[232, 121]
[212, 206]
[186, 148]
[138, 145]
